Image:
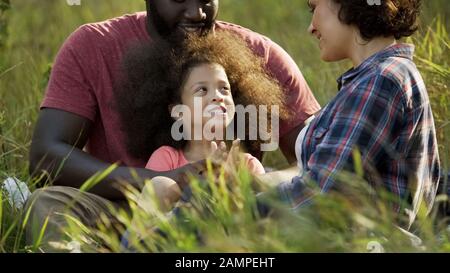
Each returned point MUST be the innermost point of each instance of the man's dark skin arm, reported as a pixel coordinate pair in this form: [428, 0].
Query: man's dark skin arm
[56, 149]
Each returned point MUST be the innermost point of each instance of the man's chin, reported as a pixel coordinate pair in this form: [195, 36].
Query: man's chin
[177, 37]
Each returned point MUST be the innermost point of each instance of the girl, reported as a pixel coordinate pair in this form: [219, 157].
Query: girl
[208, 76]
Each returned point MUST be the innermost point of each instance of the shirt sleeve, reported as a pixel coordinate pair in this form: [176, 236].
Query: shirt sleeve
[163, 159]
[72, 79]
[364, 120]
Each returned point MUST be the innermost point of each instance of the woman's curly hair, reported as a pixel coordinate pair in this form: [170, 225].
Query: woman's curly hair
[396, 18]
[153, 75]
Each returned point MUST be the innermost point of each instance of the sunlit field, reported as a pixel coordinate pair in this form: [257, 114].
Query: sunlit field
[220, 218]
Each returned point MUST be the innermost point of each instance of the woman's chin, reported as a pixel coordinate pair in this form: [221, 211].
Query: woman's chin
[327, 56]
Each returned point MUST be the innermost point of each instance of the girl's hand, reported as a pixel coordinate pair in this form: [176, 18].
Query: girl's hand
[234, 156]
[219, 153]
[228, 159]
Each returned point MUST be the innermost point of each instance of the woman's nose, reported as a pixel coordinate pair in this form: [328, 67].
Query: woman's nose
[311, 29]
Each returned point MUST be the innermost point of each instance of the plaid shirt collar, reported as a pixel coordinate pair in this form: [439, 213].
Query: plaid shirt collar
[398, 50]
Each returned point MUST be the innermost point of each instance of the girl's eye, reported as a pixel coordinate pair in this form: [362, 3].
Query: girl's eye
[201, 91]
[226, 89]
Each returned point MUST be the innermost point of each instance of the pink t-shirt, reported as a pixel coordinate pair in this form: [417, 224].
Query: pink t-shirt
[87, 64]
[167, 158]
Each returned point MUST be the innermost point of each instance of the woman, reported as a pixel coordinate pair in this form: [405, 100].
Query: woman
[382, 108]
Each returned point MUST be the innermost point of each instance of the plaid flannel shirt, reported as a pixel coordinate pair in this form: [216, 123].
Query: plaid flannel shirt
[382, 109]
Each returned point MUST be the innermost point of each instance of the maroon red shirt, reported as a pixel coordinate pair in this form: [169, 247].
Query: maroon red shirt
[88, 62]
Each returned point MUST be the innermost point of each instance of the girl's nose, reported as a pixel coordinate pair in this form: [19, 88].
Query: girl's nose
[218, 99]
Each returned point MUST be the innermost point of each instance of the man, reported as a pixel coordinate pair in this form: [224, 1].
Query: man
[77, 109]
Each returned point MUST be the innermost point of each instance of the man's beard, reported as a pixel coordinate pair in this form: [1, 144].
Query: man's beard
[173, 35]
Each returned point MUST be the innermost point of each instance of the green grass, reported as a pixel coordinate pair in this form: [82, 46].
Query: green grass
[36, 30]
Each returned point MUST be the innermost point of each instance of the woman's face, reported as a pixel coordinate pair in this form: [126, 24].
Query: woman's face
[207, 93]
[335, 38]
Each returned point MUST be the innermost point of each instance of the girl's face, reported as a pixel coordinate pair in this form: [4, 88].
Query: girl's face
[208, 85]
[335, 38]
